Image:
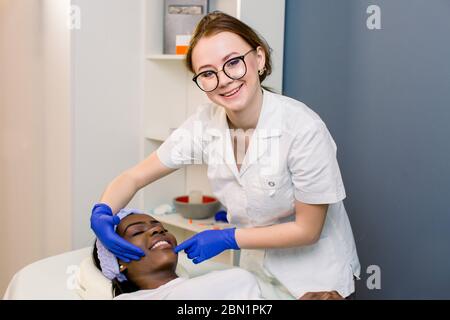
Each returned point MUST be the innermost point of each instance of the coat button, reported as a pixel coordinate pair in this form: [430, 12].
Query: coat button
[271, 183]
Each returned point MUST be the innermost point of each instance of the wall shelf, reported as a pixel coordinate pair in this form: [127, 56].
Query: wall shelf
[157, 139]
[194, 225]
[166, 57]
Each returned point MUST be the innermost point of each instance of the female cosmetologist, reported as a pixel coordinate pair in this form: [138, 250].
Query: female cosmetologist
[271, 163]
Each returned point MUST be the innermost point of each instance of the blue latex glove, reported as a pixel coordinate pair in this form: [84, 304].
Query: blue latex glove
[207, 244]
[103, 222]
[221, 216]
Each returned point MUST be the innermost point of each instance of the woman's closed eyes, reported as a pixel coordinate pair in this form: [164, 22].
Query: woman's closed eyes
[138, 228]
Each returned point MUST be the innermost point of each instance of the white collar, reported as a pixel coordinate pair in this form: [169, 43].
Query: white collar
[268, 126]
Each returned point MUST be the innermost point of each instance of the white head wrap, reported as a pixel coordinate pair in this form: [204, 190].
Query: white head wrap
[108, 261]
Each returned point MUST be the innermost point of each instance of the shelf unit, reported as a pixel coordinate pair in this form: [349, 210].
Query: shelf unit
[170, 95]
[166, 57]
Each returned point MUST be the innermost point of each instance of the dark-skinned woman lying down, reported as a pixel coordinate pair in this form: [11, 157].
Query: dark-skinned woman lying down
[153, 277]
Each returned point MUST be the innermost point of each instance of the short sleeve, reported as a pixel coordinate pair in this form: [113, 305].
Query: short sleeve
[314, 168]
[184, 145]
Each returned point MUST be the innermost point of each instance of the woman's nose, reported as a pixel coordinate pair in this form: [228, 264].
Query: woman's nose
[156, 230]
[224, 80]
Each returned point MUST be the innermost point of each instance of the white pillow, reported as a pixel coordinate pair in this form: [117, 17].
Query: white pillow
[93, 285]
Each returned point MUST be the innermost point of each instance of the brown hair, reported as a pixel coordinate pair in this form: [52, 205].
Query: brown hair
[217, 21]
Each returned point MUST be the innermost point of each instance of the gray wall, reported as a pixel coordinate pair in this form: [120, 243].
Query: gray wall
[385, 96]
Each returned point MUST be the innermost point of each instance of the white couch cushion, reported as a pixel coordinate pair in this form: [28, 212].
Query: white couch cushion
[93, 285]
[48, 279]
[73, 276]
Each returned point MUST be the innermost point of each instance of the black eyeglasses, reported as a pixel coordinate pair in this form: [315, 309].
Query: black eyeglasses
[235, 68]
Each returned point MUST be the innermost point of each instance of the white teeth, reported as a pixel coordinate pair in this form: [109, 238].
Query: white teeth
[233, 92]
[158, 244]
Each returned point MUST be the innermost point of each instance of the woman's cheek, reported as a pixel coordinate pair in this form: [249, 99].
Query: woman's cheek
[138, 241]
[174, 240]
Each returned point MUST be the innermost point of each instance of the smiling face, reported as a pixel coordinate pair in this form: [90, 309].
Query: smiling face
[210, 53]
[150, 235]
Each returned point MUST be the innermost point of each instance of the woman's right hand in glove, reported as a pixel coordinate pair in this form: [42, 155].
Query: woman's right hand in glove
[103, 224]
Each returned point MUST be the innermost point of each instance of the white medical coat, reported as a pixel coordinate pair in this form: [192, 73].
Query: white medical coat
[291, 156]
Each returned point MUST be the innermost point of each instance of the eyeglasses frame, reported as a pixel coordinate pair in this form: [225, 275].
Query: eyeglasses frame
[242, 57]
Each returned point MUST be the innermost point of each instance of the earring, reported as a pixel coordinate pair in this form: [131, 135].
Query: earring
[121, 267]
[261, 72]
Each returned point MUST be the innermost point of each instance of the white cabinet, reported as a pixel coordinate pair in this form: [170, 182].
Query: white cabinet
[170, 95]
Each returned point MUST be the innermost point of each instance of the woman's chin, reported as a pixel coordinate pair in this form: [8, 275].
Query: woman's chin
[157, 259]
[153, 256]
[166, 253]
[234, 106]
